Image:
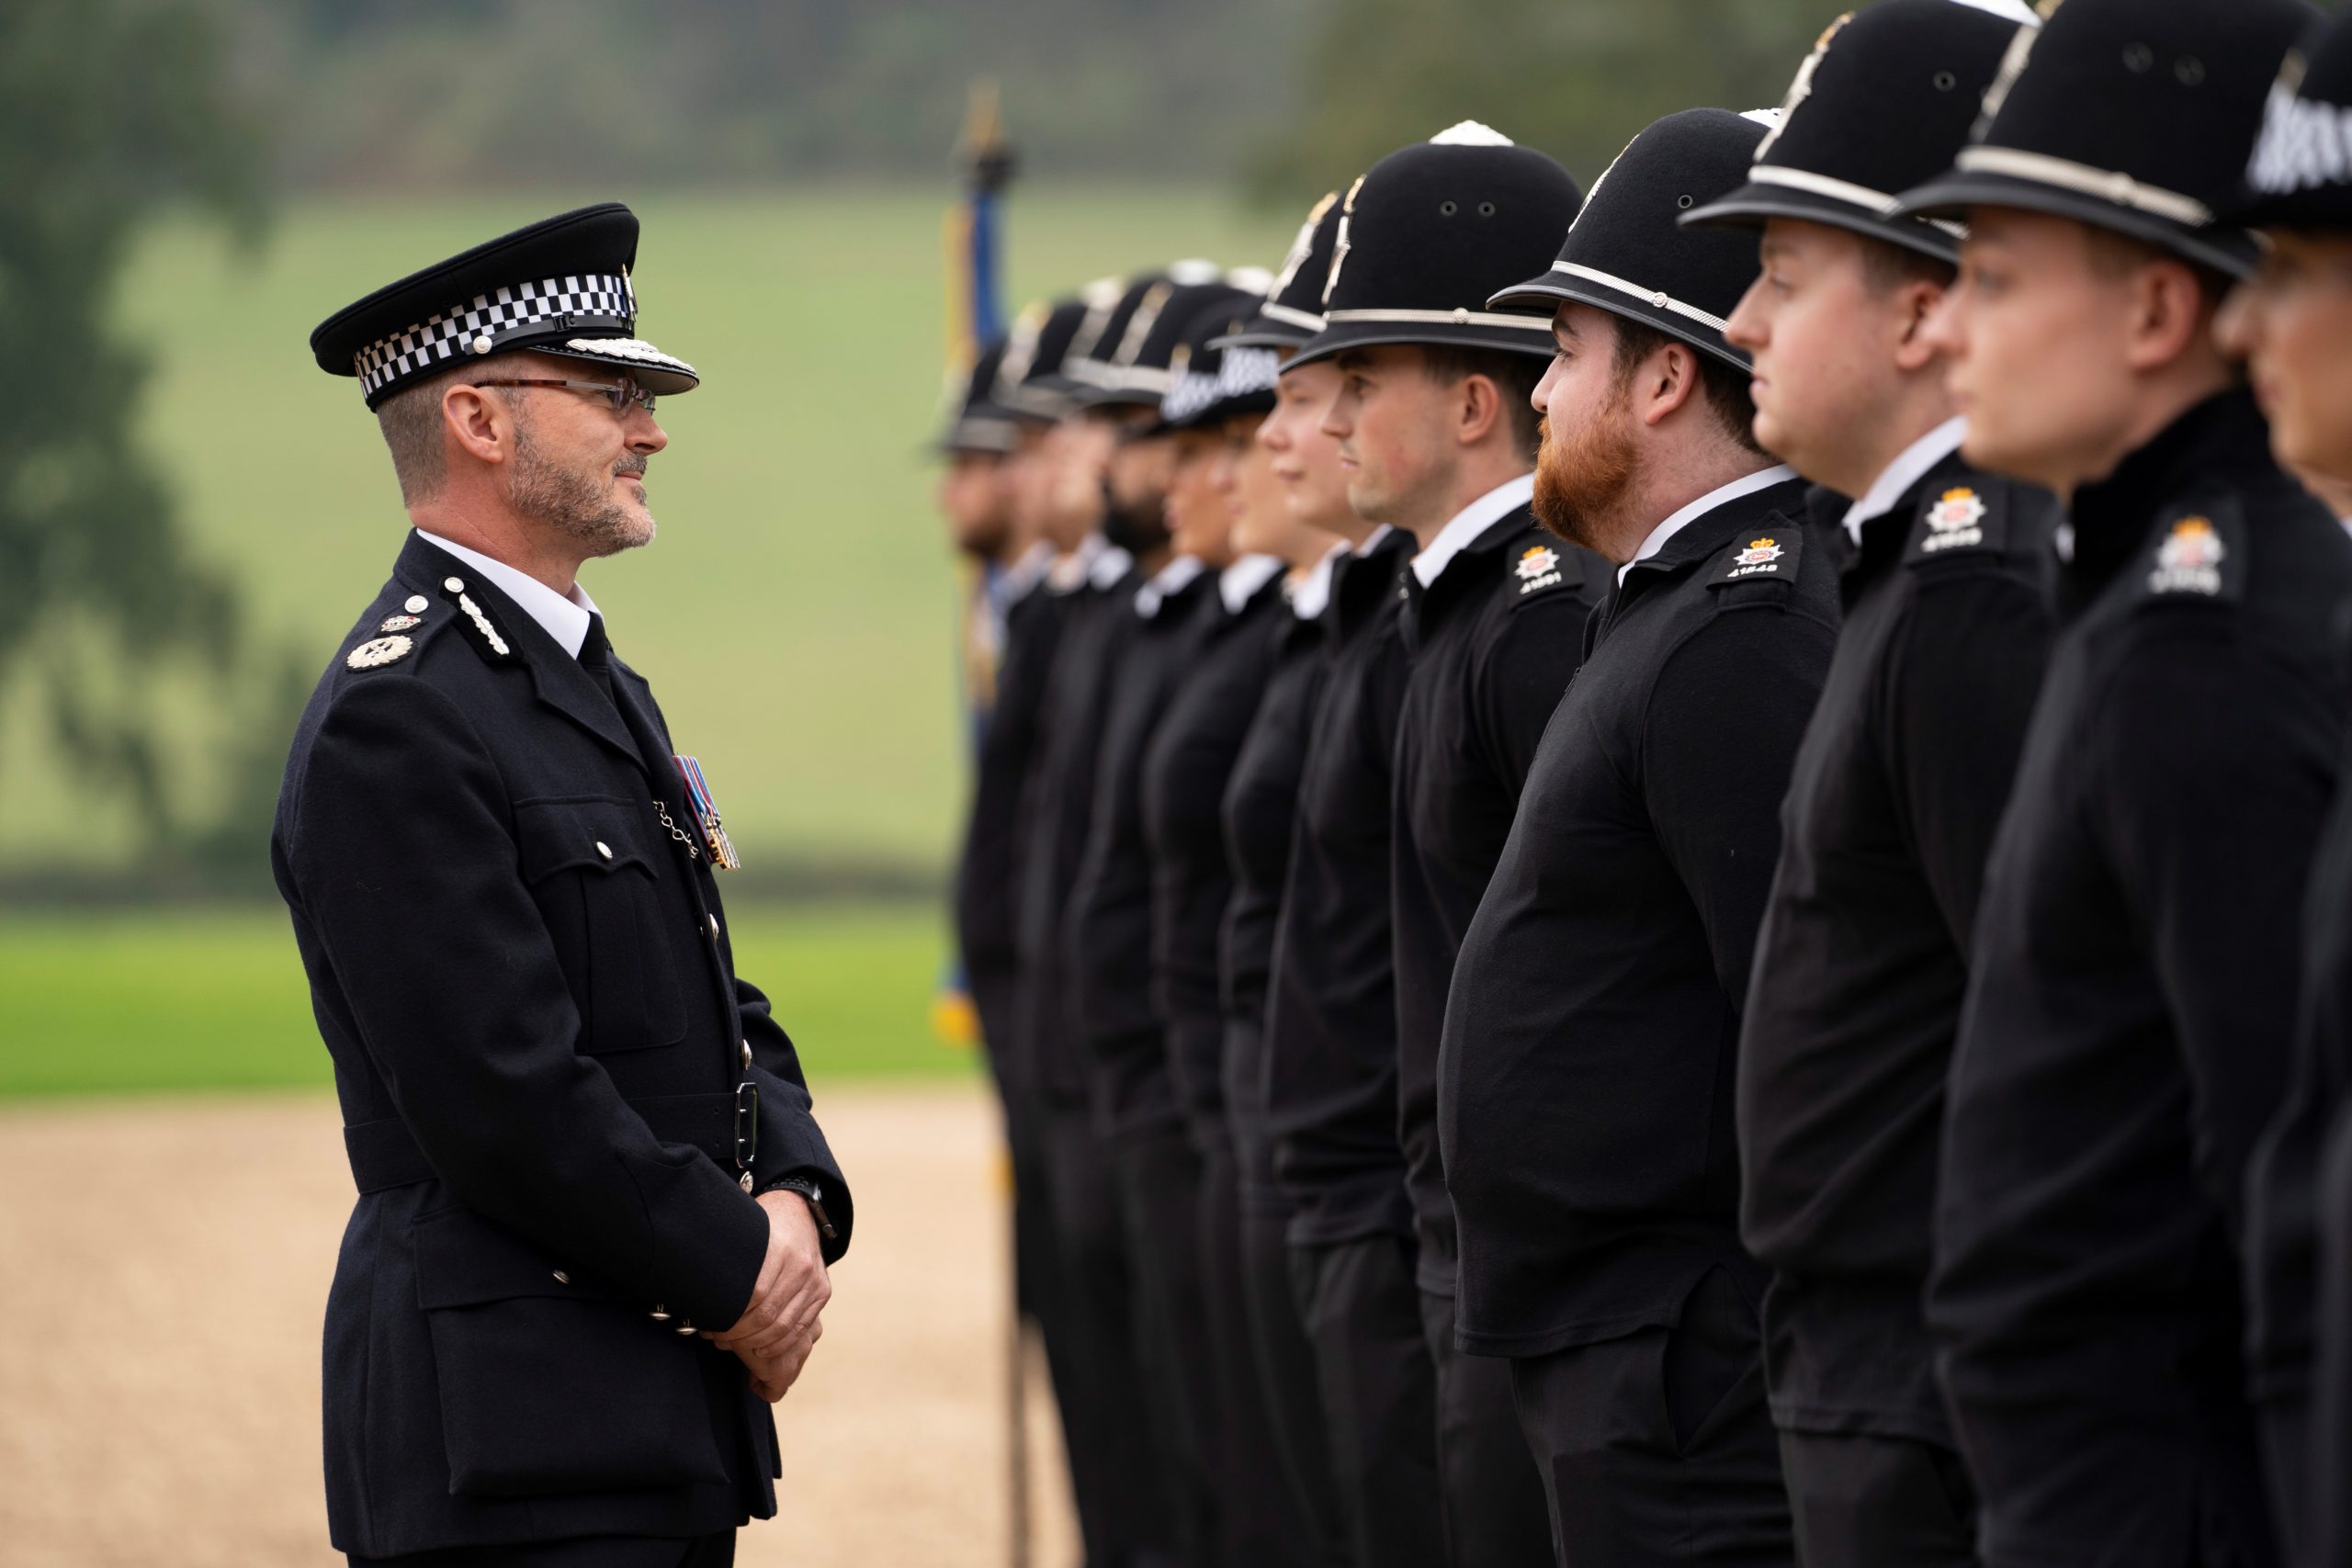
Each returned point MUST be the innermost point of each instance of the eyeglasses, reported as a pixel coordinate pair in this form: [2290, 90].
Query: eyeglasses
[619, 395]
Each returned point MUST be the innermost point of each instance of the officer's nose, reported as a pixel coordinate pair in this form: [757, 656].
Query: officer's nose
[645, 432]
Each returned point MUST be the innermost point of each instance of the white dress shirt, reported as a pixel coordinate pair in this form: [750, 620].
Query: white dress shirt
[566, 620]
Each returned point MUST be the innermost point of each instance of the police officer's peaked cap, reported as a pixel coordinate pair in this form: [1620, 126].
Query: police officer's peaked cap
[1292, 311]
[1629, 254]
[1029, 380]
[2134, 115]
[561, 285]
[1883, 102]
[1213, 375]
[978, 421]
[1134, 371]
[1430, 232]
[2301, 174]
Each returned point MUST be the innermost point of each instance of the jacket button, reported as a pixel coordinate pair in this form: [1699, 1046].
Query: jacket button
[747, 1055]
[660, 1314]
[604, 849]
[561, 1278]
[683, 1330]
[454, 584]
[714, 928]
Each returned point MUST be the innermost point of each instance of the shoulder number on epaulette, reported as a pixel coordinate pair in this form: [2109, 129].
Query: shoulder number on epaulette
[1771, 555]
[1959, 520]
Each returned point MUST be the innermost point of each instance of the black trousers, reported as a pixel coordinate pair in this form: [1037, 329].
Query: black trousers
[1489, 1491]
[1656, 1448]
[1264, 1522]
[1363, 1315]
[1116, 1468]
[1160, 1191]
[1861, 1500]
[582, 1551]
[1290, 1399]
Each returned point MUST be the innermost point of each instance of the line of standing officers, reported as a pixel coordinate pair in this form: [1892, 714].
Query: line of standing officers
[1657, 875]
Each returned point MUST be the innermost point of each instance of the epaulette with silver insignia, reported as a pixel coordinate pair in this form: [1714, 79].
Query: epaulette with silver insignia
[482, 628]
[390, 644]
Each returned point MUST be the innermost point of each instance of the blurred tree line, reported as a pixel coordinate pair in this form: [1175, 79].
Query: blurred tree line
[1576, 78]
[422, 93]
[1290, 95]
[110, 115]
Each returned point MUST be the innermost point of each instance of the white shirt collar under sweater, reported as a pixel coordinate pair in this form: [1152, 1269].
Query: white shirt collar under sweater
[1239, 583]
[1763, 478]
[1904, 472]
[1313, 591]
[1173, 577]
[1469, 522]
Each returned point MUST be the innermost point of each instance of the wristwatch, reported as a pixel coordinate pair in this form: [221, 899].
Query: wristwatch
[811, 1194]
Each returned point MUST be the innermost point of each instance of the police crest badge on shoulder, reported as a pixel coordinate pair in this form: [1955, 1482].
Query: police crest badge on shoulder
[1538, 567]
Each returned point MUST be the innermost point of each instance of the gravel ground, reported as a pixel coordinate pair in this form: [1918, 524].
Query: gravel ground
[163, 1269]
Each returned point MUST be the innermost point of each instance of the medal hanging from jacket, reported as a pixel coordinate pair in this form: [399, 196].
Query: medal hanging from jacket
[708, 826]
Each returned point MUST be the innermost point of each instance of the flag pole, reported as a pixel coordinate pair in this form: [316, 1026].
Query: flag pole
[975, 319]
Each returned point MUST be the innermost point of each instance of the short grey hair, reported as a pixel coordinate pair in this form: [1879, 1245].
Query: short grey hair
[411, 420]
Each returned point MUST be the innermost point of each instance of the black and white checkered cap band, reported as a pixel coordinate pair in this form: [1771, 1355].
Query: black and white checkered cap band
[481, 324]
[1241, 373]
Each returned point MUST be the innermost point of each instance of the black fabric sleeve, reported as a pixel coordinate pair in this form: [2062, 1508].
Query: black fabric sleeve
[1958, 697]
[1519, 683]
[2214, 768]
[402, 820]
[1719, 740]
[791, 1144]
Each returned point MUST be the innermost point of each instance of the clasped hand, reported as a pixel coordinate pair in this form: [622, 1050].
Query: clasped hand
[781, 1327]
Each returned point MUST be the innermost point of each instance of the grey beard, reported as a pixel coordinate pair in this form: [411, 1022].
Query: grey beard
[569, 501]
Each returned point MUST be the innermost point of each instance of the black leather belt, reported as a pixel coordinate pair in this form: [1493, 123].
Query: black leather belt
[384, 1154]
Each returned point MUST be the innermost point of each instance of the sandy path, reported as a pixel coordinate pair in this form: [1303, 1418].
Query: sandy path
[163, 1267]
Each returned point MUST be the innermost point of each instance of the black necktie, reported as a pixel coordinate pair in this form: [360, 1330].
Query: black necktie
[596, 657]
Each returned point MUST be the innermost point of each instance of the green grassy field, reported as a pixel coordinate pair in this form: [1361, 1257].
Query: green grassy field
[172, 1000]
[794, 615]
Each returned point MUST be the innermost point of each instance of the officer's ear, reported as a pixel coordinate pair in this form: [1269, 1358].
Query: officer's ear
[1919, 347]
[1666, 378]
[480, 422]
[2172, 312]
[1480, 409]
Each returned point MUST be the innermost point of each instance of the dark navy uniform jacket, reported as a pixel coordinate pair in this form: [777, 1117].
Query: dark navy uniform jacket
[1590, 1037]
[2126, 1031]
[1107, 928]
[1492, 642]
[986, 872]
[1331, 1020]
[1056, 809]
[529, 992]
[1261, 813]
[1185, 770]
[1863, 955]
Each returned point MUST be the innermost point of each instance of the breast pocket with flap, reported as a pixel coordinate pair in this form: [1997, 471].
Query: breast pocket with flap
[598, 875]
